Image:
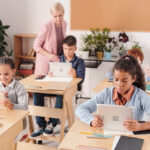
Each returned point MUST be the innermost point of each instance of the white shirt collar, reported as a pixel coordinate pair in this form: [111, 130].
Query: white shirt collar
[10, 85]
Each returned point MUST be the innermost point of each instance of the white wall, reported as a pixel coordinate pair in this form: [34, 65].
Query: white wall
[26, 16]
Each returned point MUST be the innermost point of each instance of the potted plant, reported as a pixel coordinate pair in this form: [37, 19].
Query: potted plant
[3, 43]
[136, 45]
[100, 41]
[110, 46]
[123, 38]
[87, 46]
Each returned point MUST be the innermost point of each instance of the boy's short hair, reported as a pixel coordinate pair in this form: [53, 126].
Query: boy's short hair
[70, 40]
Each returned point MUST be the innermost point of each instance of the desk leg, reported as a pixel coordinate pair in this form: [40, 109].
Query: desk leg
[68, 99]
[7, 139]
[63, 120]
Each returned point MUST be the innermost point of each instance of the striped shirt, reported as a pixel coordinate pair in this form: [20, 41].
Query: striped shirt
[17, 94]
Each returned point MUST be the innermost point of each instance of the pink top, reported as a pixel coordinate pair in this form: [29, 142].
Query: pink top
[46, 39]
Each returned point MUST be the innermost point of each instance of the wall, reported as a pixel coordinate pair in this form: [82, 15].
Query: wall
[26, 16]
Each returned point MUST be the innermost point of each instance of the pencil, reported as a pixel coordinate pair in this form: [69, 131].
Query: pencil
[90, 147]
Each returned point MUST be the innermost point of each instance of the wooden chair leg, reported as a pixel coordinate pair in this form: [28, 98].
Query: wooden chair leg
[31, 129]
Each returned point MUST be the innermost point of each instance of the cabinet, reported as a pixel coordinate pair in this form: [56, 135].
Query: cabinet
[19, 53]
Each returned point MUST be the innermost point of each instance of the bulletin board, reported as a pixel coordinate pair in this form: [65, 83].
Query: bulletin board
[118, 15]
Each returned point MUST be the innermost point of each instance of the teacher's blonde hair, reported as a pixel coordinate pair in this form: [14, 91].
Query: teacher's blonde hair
[56, 7]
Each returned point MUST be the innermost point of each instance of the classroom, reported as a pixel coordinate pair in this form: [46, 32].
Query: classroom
[73, 99]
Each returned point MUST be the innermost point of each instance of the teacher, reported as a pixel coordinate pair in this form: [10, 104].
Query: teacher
[48, 43]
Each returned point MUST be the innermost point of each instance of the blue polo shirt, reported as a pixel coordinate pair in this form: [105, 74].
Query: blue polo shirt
[78, 65]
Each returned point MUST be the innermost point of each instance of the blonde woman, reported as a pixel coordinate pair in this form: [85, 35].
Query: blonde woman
[48, 47]
[48, 43]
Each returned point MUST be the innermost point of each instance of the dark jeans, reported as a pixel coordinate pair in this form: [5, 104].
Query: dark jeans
[39, 101]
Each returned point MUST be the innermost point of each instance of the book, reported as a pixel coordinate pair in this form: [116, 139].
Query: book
[29, 52]
[32, 53]
[128, 143]
[26, 71]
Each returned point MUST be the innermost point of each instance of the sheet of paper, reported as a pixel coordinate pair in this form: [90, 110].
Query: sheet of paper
[56, 79]
[115, 132]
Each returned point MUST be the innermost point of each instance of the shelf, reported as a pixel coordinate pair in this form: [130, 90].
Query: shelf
[26, 57]
[25, 35]
[93, 62]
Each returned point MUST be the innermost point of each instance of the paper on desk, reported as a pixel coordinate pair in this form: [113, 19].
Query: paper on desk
[115, 132]
[56, 79]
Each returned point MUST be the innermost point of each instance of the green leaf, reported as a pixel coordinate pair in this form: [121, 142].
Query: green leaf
[1, 23]
[5, 27]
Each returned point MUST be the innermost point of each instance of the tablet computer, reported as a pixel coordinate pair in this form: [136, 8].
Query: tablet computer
[113, 116]
[60, 69]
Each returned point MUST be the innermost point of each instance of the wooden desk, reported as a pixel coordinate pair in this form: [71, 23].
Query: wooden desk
[73, 138]
[103, 84]
[11, 125]
[68, 90]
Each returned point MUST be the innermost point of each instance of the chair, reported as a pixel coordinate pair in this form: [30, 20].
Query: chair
[30, 146]
[79, 94]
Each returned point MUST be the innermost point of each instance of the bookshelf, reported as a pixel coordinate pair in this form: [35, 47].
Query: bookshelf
[19, 54]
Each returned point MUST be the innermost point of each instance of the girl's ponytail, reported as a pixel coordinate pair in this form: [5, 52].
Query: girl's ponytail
[129, 64]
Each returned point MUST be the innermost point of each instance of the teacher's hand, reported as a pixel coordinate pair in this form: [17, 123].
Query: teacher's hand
[53, 57]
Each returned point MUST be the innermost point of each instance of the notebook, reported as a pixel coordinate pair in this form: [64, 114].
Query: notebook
[114, 115]
[127, 143]
[60, 69]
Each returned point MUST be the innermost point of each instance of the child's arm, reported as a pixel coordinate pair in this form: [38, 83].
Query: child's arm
[134, 125]
[85, 110]
[5, 102]
[80, 70]
[22, 98]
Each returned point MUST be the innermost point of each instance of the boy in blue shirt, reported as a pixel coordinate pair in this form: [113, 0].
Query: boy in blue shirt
[77, 71]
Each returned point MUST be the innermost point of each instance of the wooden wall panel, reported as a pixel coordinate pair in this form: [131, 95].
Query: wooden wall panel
[118, 15]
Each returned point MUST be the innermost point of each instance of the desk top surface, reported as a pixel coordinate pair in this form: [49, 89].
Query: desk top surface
[74, 138]
[51, 87]
[104, 84]
[9, 117]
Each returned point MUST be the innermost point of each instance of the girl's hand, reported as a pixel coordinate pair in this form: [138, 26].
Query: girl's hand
[7, 104]
[132, 125]
[72, 73]
[97, 122]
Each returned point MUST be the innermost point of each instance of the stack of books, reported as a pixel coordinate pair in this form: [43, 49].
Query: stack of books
[26, 68]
